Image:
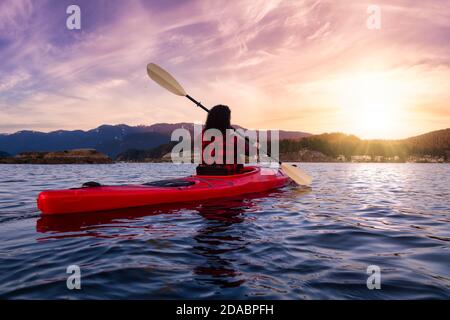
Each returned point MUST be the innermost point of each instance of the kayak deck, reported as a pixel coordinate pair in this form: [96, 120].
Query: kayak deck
[194, 188]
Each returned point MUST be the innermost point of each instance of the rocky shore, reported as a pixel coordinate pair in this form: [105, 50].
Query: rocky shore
[79, 156]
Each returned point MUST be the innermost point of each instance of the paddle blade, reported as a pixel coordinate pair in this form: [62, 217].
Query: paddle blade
[296, 174]
[164, 79]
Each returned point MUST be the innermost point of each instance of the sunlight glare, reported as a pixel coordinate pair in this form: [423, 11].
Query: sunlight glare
[371, 103]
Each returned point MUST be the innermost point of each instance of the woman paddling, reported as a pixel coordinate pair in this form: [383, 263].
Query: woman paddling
[219, 118]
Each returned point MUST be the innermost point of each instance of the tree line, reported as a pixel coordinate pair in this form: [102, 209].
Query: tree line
[435, 143]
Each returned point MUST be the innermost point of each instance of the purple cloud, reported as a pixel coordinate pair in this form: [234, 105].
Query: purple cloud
[277, 60]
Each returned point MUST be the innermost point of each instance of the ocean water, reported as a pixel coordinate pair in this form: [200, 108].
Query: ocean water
[292, 243]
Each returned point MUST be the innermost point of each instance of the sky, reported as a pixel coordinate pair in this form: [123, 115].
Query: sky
[305, 65]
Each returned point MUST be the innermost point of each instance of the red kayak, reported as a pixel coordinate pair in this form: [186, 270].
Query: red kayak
[94, 197]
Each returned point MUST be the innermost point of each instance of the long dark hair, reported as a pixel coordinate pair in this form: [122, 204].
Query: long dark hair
[219, 117]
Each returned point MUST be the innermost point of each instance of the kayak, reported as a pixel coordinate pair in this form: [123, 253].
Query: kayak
[226, 210]
[93, 197]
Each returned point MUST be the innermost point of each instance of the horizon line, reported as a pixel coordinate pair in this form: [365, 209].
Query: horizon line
[173, 123]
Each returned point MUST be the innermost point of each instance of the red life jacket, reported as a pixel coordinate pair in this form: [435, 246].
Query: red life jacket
[229, 149]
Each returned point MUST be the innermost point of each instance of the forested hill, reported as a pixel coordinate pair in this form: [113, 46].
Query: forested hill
[433, 143]
[436, 143]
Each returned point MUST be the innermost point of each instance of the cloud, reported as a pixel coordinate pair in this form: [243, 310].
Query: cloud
[274, 59]
[14, 16]
[12, 80]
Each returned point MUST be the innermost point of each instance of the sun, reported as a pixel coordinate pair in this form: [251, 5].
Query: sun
[371, 105]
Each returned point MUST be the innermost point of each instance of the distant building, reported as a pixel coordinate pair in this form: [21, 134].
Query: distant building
[378, 158]
[392, 159]
[341, 158]
[361, 158]
[426, 159]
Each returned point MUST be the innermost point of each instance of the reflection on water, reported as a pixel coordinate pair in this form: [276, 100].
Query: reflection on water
[215, 239]
[212, 239]
[291, 243]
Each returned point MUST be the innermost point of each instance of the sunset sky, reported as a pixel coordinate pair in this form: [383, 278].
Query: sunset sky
[310, 66]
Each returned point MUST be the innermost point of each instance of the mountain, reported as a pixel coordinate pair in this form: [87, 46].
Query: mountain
[109, 139]
[293, 135]
[168, 128]
[431, 143]
[144, 140]
[63, 140]
[4, 154]
[143, 155]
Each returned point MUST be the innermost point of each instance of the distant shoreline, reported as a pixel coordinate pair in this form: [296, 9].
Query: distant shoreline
[153, 144]
[92, 156]
[169, 162]
[78, 156]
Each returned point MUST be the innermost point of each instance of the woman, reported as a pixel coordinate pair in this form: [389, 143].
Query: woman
[219, 117]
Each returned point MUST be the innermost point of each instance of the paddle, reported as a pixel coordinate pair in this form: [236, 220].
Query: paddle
[165, 80]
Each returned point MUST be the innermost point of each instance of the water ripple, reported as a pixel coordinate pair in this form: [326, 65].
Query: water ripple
[294, 243]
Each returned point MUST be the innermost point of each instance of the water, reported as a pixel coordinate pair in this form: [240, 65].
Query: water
[286, 244]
